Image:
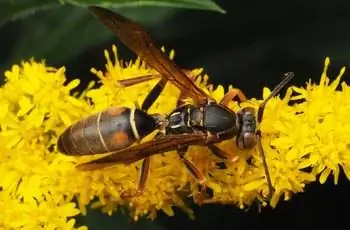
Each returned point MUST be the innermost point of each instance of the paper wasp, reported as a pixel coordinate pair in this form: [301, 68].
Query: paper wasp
[206, 122]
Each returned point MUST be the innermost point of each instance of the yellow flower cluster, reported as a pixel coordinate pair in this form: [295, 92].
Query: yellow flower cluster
[305, 135]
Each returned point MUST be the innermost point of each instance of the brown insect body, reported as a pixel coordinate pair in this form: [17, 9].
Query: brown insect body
[107, 131]
[118, 128]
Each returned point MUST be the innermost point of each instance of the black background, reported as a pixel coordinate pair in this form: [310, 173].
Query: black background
[249, 47]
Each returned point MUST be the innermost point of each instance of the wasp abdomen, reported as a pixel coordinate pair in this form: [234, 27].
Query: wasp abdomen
[107, 131]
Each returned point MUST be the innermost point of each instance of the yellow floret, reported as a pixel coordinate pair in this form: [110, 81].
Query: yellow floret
[307, 128]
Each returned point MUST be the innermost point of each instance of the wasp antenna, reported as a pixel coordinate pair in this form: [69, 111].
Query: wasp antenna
[275, 91]
[266, 169]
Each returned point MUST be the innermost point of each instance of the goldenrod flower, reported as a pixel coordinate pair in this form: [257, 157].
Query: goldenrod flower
[305, 129]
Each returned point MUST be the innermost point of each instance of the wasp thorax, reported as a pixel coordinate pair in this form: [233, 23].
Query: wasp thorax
[246, 125]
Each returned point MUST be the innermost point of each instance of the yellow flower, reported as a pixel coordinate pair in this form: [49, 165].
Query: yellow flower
[36, 213]
[31, 174]
[305, 129]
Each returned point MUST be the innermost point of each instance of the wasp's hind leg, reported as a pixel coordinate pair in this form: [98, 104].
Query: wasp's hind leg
[145, 168]
[157, 90]
[145, 171]
[153, 94]
[147, 103]
[137, 80]
[195, 172]
[183, 95]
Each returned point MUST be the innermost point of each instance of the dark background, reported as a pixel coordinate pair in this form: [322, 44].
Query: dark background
[249, 47]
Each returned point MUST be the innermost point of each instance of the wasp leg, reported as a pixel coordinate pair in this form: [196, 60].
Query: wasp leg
[153, 94]
[181, 100]
[157, 90]
[145, 168]
[231, 95]
[183, 95]
[137, 80]
[195, 172]
[222, 154]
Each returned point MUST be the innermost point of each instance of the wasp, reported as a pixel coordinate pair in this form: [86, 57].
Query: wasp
[206, 122]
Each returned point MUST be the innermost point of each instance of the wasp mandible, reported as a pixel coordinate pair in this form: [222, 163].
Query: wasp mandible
[206, 122]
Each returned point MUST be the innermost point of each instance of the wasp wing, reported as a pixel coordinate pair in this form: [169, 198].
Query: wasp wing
[142, 44]
[138, 152]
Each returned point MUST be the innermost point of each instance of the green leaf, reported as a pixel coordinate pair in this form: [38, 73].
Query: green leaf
[57, 35]
[62, 34]
[44, 35]
[12, 10]
[189, 4]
